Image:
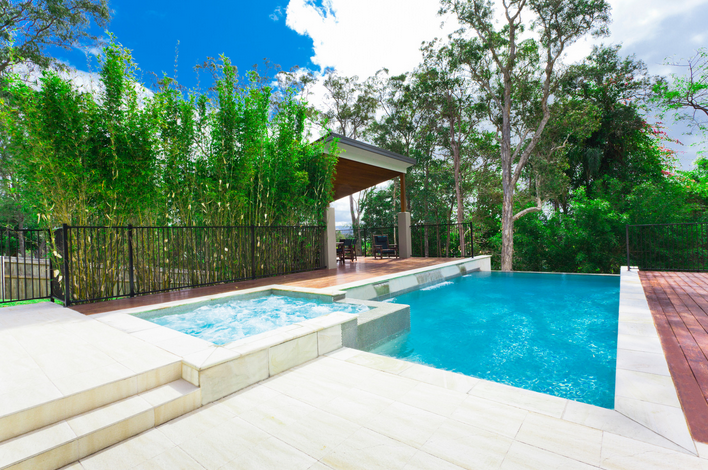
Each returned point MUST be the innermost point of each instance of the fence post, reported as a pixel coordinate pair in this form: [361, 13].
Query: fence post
[626, 234]
[67, 277]
[471, 240]
[51, 269]
[253, 252]
[130, 260]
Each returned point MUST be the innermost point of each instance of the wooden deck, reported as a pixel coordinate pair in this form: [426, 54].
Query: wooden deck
[679, 305]
[363, 268]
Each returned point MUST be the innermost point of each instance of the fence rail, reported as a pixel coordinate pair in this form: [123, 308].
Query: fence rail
[25, 267]
[668, 247]
[428, 240]
[101, 263]
[442, 240]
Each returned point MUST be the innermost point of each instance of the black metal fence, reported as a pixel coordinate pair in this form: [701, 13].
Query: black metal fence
[442, 240]
[101, 263]
[25, 266]
[429, 240]
[668, 247]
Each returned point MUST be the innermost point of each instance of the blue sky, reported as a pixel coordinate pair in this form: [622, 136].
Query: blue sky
[246, 32]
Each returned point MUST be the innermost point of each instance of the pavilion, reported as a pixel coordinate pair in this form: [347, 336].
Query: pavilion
[361, 166]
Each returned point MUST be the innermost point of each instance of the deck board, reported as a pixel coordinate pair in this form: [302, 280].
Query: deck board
[679, 305]
[363, 268]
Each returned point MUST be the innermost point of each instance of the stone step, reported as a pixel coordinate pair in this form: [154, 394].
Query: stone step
[67, 441]
[31, 418]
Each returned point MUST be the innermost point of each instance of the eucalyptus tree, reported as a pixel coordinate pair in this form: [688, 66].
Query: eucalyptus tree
[29, 27]
[350, 108]
[446, 91]
[401, 126]
[502, 61]
[408, 126]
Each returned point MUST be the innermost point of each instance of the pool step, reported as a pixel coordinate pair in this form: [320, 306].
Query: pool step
[26, 420]
[72, 439]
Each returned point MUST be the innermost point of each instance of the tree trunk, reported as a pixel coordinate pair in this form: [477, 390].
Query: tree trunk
[458, 185]
[507, 254]
[21, 235]
[353, 213]
[508, 188]
[426, 209]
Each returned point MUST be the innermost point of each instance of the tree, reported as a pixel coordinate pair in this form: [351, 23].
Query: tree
[29, 27]
[351, 107]
[446, 91]
[686, 96]
[616, 87]
[408, 127]
[503, 64]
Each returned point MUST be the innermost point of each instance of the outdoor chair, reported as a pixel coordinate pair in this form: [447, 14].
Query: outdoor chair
[340, 251]
[382, 247]
[349, 249]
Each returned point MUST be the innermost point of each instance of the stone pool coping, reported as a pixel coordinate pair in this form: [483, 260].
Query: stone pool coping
[220, 370]
[644, 389]
[634, 335]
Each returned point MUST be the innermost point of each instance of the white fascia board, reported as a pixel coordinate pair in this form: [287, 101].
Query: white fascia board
[370, 158]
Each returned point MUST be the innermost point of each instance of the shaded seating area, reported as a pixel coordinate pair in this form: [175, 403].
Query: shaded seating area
[361, 166]
[382, 247]
[346, 250]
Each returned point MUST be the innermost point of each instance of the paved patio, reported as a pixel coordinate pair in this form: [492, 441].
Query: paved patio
[345, 410]
[679, 305]
[355, 410]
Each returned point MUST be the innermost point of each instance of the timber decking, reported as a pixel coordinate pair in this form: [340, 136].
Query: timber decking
[679, 305]
[364, 268]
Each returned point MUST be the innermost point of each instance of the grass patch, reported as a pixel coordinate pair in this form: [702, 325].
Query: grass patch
[23, 302]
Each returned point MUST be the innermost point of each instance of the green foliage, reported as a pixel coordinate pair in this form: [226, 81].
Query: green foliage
[380, 209]
[28, 27]
[589, 238]
[128, 156]
[351, 104]
[79, 159]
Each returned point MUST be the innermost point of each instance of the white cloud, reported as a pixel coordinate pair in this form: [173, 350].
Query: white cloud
[360, 38]
[82, 81]
[277, 14]
[637, 21]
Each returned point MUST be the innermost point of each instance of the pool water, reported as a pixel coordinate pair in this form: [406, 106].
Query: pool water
[552, 333]
[229, 321]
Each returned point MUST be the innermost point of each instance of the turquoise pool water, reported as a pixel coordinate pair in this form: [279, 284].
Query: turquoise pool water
[225, 322]
[552, 333]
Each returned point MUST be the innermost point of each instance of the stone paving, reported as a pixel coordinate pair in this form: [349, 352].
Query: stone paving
[355, 410]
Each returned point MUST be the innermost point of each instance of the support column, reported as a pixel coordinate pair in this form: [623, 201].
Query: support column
[331, 241]
[405, 247]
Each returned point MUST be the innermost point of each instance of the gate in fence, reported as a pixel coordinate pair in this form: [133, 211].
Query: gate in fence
[25, 265]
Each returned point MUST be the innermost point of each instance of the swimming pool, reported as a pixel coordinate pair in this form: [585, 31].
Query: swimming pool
[552, 333]
[230, 320]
